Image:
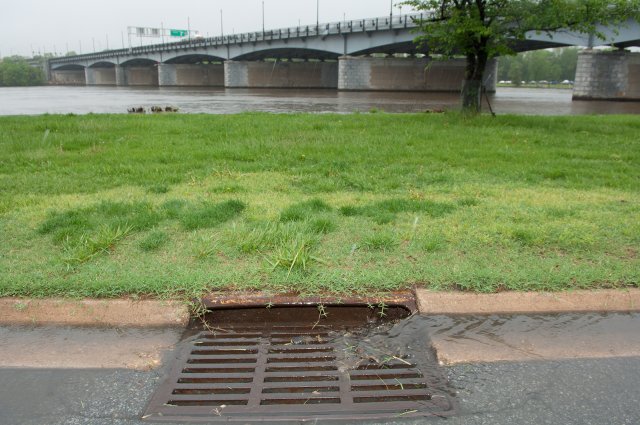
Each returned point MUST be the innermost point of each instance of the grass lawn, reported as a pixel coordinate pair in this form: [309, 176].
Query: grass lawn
[112, 205]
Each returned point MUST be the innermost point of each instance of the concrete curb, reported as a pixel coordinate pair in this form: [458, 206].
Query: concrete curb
[155, 313]
[606, 300]
[119, 312]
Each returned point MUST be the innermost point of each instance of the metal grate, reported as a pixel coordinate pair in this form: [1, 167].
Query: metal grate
[288, 373]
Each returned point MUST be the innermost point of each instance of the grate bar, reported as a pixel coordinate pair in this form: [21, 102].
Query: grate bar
[298, 389]
[301, 358]
[234, 343]
[224, 352]
[204, 386]
[380, 375]
[300, 350]
[197, 358]
[194, 368]
[258, 377]
[209, 397]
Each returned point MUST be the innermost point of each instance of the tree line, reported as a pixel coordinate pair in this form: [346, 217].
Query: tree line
[17, 71]
[539, 65]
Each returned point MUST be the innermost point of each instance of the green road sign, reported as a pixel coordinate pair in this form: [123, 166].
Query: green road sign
[179, 33]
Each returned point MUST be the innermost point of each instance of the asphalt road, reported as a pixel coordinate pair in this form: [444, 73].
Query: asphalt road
[598, 392]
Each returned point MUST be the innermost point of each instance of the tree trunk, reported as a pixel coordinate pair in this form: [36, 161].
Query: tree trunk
[471, 96]
[473, 84]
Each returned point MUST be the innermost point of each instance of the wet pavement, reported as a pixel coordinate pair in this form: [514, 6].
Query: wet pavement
[83, 100]
[540, 390]
[576, 392]
[468, 339]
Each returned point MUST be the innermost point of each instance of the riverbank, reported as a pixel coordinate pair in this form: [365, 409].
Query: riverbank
[176, 205]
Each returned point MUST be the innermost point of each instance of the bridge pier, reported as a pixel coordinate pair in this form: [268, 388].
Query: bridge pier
[68, 77]
[136, 75]
[607, 76]
[102, 76]
[407, 74]
[308, 75]
[197, 75]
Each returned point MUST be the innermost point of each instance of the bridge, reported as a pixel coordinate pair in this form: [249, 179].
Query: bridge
[365, 54]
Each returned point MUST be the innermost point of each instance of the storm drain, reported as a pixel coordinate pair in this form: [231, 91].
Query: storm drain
[289, 373]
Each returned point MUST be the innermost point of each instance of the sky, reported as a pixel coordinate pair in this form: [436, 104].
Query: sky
[39, 26]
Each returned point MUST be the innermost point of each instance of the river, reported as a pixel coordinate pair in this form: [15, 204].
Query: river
[82, 100]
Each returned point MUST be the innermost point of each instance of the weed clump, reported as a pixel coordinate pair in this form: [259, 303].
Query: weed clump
[153, 241]
[322, 225]
[173, 209]
[65, 225]
[380, 241]
[295, 255]
[137, 215]
[88, 247]
[269, 235]
[385, 211]
[304, 210]
[158, 189]
[227, 189]
[431, 243]
[73, 224]
[211, 215]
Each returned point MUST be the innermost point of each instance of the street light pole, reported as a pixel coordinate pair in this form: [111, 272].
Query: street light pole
[221, 25]
[318, 15]
[262, 16]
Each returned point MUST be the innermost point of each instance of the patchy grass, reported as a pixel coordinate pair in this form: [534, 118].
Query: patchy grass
[172, 205]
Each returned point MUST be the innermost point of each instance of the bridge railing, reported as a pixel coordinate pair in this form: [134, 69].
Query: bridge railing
[386, 23]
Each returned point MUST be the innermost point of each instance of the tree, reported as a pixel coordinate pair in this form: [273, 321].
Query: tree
[568, 61]
[556, 64]
[515, 73]
[16, 71]
[483, 29]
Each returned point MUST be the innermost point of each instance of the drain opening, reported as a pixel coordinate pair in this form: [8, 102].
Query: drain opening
[294, 363]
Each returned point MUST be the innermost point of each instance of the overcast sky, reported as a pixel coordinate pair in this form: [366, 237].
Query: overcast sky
[39, 25]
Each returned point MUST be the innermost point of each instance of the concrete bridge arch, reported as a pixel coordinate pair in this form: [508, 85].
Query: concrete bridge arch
[286, 53]
[194, 58]
[198, 69]
[69, 74]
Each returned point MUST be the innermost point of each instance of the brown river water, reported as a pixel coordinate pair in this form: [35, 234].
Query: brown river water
[82, 100]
